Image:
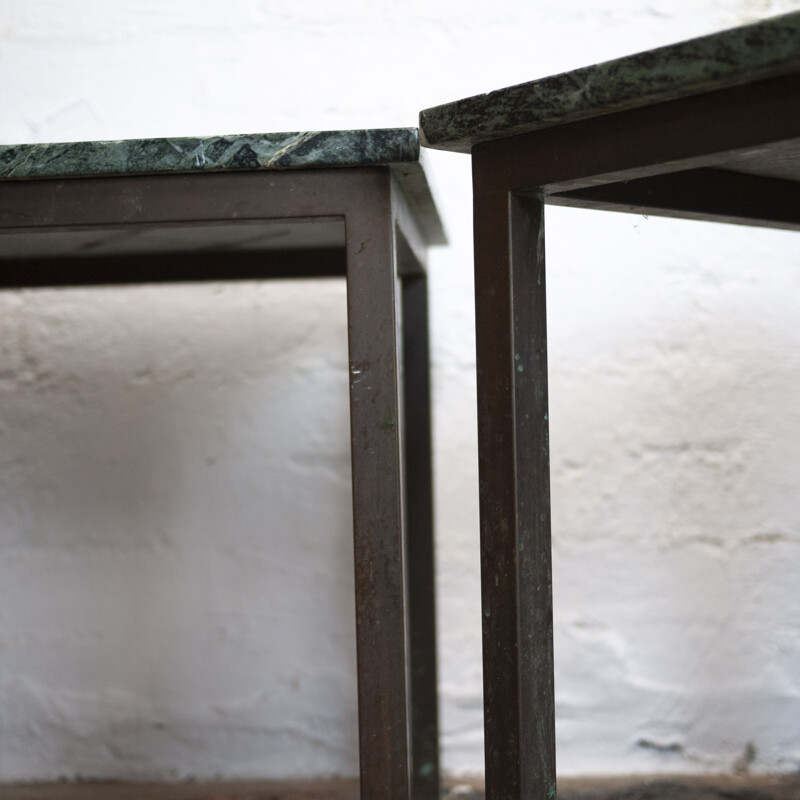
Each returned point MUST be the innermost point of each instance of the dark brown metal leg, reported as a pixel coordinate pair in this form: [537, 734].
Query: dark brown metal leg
[376, 433]
[514, 495]
[419, 525]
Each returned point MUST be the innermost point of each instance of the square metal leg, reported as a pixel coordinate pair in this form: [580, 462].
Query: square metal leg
[392, 506]
[514, 496]
[419, 544]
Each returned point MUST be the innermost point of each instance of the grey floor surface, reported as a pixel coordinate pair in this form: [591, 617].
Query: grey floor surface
[633, 788]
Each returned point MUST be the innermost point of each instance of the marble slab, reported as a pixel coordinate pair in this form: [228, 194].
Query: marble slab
[766, 49]
[307, 150]
[397, 148]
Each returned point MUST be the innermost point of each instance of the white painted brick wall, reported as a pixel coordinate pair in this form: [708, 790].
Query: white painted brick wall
[175, 557]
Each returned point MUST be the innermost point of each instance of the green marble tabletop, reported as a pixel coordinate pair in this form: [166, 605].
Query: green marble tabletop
[765, 49]
[397, 148]
[310, 149]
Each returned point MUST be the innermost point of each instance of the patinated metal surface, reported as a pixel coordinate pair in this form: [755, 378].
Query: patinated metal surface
[714, 195]
[514, 495]
[392, 501]
[383, 249]
[419, 520]
[378, 522]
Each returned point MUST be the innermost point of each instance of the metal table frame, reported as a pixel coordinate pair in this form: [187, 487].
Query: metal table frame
[728, 154]
[383, 260]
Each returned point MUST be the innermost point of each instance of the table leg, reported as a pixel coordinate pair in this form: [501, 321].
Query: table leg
[377, 456]
[419, 525]
[514, 495]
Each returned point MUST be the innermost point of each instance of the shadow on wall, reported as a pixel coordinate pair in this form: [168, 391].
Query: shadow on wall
[176, 530]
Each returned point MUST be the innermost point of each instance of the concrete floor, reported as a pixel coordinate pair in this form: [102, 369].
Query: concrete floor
[631, 788]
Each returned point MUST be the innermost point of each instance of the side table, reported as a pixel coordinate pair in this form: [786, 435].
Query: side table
[707, 129]
[349, 203]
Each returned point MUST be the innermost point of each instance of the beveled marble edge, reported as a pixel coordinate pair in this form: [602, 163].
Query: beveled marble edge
[300, 150]
[765, 49]
[303, 150]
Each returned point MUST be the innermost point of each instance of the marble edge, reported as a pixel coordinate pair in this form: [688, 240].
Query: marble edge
[264, 151]
[764, 49]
